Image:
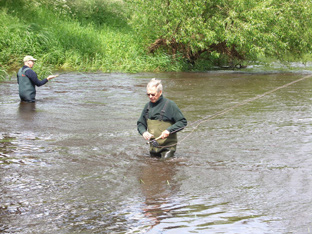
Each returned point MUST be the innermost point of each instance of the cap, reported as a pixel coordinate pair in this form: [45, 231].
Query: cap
[29, 58]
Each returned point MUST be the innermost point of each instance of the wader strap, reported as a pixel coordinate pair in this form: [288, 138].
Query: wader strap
[147, 110]
[27, 68]
[21, 72]
[163, 111]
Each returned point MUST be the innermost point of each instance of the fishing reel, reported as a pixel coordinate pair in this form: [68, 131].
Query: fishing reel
[154, 142]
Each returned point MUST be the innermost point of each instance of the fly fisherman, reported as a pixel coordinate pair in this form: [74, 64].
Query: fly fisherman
[162, 118]
[27, 80]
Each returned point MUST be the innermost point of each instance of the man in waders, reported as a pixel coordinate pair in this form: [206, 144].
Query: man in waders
[162, 118]
[27, 80]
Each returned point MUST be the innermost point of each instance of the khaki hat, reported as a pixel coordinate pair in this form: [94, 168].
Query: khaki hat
[29, 58]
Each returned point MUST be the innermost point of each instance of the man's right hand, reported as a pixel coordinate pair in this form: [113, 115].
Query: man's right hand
[147, 136]
[51, 77]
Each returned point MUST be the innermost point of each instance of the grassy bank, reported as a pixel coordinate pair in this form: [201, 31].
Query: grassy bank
[89, 35]
[79, 35]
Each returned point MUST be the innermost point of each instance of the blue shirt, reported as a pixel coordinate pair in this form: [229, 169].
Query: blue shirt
[34, 78]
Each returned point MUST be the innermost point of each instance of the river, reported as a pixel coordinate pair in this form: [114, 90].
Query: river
[73, 162]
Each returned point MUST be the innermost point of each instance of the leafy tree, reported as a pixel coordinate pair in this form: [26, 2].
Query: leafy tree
[240, 30]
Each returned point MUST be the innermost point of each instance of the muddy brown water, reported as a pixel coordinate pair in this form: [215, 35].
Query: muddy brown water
[73, 162]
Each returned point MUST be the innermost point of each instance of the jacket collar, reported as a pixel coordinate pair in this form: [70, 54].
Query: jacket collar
[160, 99]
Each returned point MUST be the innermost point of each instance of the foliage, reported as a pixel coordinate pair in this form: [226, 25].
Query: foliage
[3, 74]
[85, 35]
[117, 36]
[241, 30]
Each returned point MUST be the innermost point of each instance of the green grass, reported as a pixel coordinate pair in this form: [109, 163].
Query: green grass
[81, 36]
[84, 36]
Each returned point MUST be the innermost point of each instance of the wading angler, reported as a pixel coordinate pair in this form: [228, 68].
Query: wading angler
[160, 121]
[27, 80]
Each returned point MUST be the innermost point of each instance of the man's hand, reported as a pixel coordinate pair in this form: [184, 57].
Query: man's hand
[51, 77]
[164, 134]
[147, 136]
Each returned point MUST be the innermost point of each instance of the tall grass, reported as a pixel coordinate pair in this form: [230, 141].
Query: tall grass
[84, 35]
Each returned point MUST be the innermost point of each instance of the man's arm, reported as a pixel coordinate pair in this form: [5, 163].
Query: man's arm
[177, 118]
[34, 79]
[141, 123]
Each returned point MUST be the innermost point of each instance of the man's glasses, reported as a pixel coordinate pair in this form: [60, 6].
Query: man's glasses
[151, 94]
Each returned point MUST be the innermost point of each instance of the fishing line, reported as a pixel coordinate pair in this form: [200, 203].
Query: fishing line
[207, 118]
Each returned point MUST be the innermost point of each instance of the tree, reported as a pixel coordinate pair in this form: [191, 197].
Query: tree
[238, 30]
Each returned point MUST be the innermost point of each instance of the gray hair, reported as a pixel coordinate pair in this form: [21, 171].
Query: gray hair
[155, 83]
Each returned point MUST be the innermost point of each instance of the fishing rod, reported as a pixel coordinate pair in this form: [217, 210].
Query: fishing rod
[156, 144]
[220, 113]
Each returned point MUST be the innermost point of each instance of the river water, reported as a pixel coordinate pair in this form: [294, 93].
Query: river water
[73, 162]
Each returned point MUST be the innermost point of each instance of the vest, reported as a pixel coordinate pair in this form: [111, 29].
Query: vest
[27, 90]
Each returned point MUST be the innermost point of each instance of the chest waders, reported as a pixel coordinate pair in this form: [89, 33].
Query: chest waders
[156, 127]
[26, 88]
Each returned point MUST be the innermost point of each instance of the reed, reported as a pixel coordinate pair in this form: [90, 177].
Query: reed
[83, 35]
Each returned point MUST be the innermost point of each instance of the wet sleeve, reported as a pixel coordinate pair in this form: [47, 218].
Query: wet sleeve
[141, 123]
[34, 79]
[177, 118]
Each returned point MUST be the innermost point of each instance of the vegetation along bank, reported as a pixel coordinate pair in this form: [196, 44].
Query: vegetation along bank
[152, 36]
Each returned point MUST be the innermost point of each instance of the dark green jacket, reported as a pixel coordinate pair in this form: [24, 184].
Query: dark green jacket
[172, 114]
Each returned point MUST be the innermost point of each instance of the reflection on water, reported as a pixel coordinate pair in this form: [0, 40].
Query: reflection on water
[158, 187]
[27, 110]
[73, 162]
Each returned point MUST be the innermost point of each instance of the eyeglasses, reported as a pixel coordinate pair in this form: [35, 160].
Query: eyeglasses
[151, 94]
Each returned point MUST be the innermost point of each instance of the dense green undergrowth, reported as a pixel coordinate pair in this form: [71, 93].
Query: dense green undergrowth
[117, 35]
[84, 36]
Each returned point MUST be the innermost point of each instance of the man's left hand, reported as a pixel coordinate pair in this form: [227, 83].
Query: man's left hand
[164, 134]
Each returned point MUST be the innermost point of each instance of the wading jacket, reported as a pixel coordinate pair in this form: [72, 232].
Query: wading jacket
[27, 80]
[172, 114]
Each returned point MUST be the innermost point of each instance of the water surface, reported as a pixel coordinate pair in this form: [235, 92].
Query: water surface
[73, 162]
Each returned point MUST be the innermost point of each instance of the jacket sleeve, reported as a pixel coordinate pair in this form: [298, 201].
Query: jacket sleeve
[34, 79]
[141, 123]
[177, 118]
